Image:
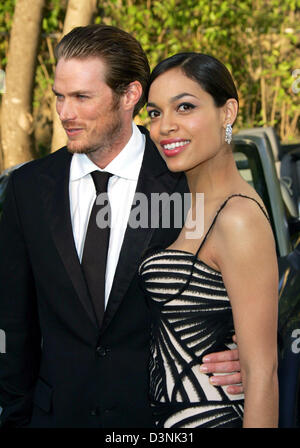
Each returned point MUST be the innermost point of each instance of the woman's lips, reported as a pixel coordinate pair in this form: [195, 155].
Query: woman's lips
[173, 147]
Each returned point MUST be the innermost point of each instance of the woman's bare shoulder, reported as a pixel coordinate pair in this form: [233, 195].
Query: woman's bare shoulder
[242, 216]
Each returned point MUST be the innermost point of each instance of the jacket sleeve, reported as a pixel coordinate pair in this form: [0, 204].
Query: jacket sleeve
[21, 340]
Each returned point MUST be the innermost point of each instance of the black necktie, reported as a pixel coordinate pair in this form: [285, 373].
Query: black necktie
[96, 246]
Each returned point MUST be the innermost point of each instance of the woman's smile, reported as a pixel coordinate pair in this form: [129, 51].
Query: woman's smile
[172, 147]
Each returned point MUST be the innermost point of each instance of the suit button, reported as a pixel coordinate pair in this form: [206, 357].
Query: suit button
[109, 410]
[101, 351]
[94, 412]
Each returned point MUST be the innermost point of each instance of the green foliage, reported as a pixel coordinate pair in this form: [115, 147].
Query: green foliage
[258, 40]
[54, 16]
[52, 27]
[6, 15]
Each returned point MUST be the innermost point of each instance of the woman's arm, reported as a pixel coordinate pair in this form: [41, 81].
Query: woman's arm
[245, 252]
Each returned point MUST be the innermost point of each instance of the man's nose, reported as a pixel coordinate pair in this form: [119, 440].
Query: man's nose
[65, 109]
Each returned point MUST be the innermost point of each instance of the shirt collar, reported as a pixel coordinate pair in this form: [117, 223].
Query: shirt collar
[126, 164]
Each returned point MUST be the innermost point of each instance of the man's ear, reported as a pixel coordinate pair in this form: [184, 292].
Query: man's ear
[230, 111]
[132, 95]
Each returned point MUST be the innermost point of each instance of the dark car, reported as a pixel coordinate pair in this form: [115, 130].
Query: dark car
[271, 168]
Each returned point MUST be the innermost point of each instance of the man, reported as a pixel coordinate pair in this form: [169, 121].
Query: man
[67, 365]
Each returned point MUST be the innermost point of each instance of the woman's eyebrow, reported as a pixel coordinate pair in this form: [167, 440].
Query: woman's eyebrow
[181, 95]
[151, 105]
[173, 99]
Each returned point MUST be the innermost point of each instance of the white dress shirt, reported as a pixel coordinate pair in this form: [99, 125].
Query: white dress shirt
[125, 168]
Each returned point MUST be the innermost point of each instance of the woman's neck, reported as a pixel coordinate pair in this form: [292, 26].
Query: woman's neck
[214, 177]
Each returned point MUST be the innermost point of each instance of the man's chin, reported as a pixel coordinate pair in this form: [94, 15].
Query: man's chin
[76, 148]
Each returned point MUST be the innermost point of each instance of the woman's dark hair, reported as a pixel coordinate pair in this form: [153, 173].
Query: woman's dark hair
[207, 71]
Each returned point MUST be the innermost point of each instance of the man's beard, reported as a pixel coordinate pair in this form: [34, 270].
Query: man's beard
[109, 135]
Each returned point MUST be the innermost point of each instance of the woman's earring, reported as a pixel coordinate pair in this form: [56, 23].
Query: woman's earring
[228, 134]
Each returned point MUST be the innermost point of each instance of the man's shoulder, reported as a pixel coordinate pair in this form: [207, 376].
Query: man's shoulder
[146, 133]
[143, 129]
[59, 157]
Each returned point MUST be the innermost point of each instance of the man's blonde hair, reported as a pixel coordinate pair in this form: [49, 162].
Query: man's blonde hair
[124, 57]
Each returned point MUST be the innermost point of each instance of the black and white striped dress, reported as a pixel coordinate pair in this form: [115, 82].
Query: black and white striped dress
[191, 316]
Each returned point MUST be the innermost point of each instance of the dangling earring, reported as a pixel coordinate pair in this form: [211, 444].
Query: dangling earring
[228, 134]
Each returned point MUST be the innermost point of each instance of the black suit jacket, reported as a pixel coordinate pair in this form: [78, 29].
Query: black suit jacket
[60, 369]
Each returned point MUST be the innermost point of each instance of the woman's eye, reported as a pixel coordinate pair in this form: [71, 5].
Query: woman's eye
[185, 107]
[153, 113]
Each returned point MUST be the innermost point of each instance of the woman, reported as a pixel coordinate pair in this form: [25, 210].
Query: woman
[203, 289]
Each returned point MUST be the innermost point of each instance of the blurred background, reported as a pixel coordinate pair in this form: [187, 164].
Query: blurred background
[258, 40]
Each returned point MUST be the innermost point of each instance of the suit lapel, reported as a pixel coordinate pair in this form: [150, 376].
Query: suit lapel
[54, 181]
[154, 178]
